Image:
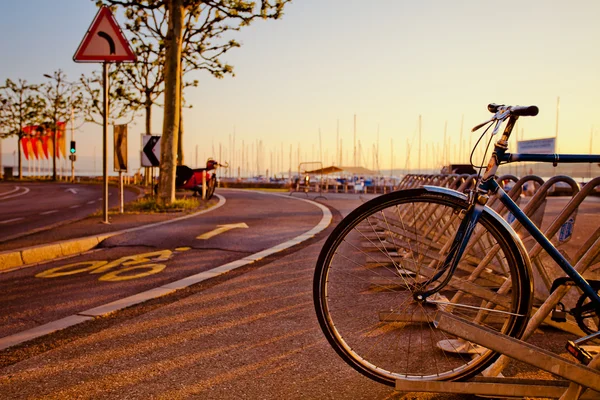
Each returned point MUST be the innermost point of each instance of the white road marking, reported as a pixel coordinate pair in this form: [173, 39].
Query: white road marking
[16, 189]
[91, 202]
[26, 190]
[49, 212]
[75, 206]
[11, 220]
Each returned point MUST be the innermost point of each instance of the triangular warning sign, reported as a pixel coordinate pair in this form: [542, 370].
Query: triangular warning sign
[104, 41]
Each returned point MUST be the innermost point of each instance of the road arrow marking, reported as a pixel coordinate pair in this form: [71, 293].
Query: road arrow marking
[221, 229]
[71, 190]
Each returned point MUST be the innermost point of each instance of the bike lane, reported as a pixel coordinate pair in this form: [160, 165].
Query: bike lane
[254, 336]
[144, 259]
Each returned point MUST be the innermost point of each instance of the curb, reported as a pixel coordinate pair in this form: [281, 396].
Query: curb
[168, 288]
[30, 256]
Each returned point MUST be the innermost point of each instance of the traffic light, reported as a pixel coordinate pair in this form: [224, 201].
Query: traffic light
[72, 147]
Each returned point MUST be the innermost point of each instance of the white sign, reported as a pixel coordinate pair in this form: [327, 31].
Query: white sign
[537, 146]
[150, 151]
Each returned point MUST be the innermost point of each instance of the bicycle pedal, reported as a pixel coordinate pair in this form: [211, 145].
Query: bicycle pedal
[582, 355]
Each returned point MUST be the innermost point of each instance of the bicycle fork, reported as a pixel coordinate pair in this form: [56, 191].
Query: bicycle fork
[459, 244]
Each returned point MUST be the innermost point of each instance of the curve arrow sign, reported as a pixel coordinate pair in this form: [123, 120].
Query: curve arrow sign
[111, 42]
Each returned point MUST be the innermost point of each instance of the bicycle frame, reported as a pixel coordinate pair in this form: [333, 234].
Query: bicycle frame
[488, 184]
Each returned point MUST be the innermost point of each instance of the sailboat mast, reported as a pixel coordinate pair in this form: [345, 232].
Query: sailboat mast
[354, 157]
[419, 158]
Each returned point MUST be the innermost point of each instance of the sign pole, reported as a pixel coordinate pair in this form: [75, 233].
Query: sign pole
[105, 140]
[104, 42]
[121, 192]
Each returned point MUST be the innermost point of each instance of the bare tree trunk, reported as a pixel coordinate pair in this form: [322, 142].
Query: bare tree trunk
[168, 148]
[20, 159]
[148, 108]
[180, 139]
[180, 132]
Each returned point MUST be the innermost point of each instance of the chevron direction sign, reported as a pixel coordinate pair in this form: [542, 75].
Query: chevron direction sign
[150, 151]
[120, 146]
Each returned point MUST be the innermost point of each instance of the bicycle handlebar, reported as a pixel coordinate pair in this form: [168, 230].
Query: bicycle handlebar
[522, 111]
[502, 112]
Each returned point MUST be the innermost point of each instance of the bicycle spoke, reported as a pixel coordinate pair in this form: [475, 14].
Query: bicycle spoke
[375, 269]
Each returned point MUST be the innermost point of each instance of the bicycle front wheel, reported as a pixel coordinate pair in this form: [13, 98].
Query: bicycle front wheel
[383, 254]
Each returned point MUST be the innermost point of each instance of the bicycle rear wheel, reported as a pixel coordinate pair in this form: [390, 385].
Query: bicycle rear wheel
[210, 187]
[383, 254]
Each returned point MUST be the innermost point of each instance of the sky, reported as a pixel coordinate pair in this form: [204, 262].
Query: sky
[301, 82]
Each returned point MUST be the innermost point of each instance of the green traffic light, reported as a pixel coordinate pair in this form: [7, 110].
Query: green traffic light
[72, 147]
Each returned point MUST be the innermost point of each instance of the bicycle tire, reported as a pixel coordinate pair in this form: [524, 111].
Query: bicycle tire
[212, 182]
[369, 270]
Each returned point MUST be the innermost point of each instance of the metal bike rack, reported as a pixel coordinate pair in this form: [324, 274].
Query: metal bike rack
[575, 377]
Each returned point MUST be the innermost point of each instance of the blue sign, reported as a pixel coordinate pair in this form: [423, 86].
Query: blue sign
[566, 230]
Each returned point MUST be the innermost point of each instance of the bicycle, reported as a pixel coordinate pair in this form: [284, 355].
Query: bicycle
[188, 178]
[398, 260]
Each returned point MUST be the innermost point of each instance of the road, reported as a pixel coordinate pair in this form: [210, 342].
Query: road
[250, 334]
[32, 206]
[246, 224]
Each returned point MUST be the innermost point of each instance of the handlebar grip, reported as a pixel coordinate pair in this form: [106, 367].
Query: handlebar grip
[493, 107]
[525, 111]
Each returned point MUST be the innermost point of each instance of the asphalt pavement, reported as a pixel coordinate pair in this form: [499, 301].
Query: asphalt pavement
[248, 334]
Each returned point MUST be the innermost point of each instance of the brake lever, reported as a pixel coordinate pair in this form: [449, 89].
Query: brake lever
[500, 116]
[477, 127]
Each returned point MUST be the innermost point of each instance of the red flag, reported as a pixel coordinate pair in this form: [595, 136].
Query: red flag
[34, 146]
[24, 142]
[60, 139]
[45, 145]
[50, 146]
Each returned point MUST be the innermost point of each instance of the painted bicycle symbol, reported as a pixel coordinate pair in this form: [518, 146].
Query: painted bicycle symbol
[122, 269]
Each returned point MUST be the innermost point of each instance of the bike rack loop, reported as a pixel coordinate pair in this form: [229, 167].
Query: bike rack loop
[584, 257]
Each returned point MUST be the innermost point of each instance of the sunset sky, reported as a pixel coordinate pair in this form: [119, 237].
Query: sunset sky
[325, 61]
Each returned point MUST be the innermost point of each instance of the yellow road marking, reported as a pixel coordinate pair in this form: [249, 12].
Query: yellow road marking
[121, 268]
[122, 274]
[221, 229]
[160, 255]
[68, 269]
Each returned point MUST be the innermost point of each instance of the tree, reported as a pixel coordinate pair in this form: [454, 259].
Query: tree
[145, 79]
[221, 15]
[92, 107]
[61, 100]
[21, 105]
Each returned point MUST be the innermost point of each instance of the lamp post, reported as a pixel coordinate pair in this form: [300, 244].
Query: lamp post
[54, 120]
